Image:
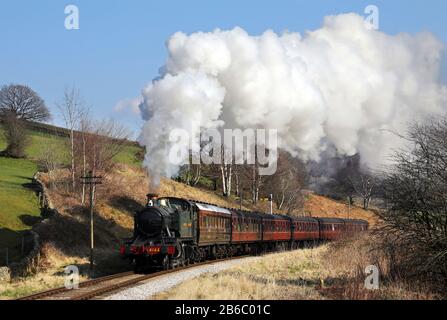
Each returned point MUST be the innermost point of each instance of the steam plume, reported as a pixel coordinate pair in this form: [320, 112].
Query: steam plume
[341, 85]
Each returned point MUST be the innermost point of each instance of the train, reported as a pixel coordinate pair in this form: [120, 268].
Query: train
[171, 232]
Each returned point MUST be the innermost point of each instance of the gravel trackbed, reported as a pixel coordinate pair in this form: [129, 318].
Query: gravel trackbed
[150, 287]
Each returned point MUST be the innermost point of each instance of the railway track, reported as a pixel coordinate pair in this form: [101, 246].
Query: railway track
[105, 285]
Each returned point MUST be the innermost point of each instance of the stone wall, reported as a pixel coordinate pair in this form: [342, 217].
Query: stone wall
[30, 263]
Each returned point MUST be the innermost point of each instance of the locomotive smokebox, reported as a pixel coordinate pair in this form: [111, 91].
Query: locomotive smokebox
[151, 199]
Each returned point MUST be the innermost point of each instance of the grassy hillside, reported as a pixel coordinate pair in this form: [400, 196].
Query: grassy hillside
[39, 138]
[18, 204]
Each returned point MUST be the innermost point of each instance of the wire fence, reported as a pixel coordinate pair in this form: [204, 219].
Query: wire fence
[10, 255]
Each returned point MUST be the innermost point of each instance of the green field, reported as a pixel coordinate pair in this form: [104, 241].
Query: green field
[19, 207]
[38, 139]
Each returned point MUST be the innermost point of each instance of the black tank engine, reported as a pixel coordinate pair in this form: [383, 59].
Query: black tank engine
[161, 231]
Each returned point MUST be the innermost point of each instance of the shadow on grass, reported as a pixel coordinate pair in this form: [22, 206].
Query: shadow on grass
[70, 235]
[29, 220]
[126, 204]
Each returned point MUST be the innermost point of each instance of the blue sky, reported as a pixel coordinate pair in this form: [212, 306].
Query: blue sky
[121, 44]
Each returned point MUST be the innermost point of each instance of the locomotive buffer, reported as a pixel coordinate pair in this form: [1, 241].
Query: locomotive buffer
[92, 181]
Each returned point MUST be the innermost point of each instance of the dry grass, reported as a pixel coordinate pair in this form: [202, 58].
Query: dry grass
[52, 276]
[319, 206]
[288, 275]
[333, 271]
[348, 259]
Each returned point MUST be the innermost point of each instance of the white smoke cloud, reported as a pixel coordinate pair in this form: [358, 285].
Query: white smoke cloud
[129, 104]
[341, 85]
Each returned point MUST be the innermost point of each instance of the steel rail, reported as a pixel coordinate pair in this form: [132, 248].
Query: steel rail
[77, 294]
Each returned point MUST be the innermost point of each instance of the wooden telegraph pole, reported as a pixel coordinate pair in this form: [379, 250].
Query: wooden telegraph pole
[92, 181]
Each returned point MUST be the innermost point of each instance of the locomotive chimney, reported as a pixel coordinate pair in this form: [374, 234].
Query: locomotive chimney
[151, 199]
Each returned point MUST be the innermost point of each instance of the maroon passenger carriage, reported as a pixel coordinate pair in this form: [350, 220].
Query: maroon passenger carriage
[305, 231]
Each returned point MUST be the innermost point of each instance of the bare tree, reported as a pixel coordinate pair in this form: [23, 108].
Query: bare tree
[249, 173]
[19, 104]
[22, 102]
[226, 170]
[102, 141]
[287, 183]
[237, 180]
[50, 158]
[416, 197]
[15, 135]
[363, 183]
[190, 174]
[84, 127]
[72, 109]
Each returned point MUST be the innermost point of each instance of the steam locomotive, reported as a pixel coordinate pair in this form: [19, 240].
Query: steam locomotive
[171, 232]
